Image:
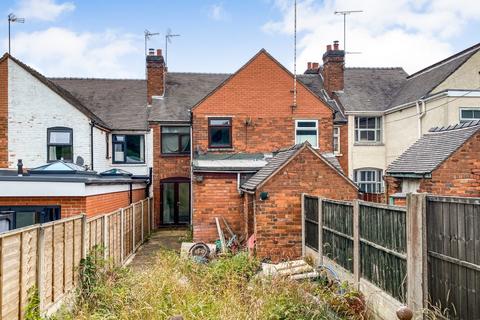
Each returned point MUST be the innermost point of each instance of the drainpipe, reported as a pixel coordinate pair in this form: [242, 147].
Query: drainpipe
[91, 144]
[130, 194]
[191, 167]
[420, 104]
[149, 183]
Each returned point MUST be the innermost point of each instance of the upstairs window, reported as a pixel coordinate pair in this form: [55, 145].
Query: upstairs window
[175, 140]
[336, 140]
[469, 114]
[369, 180]
[220, 132]
[368, 129]
[306, 130]
[128, 148]
[59, 144]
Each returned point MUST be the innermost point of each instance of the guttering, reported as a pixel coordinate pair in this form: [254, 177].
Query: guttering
[92, 124]
[410, 175]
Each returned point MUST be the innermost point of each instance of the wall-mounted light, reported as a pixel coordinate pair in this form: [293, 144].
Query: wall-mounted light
[263, 196]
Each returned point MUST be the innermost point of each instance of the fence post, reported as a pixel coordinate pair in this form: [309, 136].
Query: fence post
[40, 266]
[133, 227]
[356, 241]
[84, 236]
[320, 231]
[105, 237]
[122, 235]
[417, 285]
[143, 202]
[303, 224]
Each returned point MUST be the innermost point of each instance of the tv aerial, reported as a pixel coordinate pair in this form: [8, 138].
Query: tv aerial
[168, 39]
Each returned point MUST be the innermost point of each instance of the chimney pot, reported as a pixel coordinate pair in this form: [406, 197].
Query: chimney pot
[20, 167]
[159, 52]
[335, 45]
[315, 65]
[309, 65]
[329, 47]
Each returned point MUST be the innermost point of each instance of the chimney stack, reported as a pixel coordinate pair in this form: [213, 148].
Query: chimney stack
[155, 74]
[333, 68]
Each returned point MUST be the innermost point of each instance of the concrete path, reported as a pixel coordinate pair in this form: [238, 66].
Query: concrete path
[163, 238]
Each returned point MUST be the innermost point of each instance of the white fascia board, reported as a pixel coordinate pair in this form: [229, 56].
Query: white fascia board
[41, 189]
[95, 189]
[464, 93]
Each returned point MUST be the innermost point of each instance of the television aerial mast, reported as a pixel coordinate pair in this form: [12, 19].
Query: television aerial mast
[148, 35]
[345, 13]
[168, 39]
[12, 18]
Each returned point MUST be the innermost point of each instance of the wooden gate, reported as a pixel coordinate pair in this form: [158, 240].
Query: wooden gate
[453, 242]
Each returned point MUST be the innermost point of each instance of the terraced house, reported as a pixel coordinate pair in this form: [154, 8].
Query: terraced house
[386, 110]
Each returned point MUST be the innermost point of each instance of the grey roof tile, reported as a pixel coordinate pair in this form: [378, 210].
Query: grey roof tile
[183, 91]
[434, 147]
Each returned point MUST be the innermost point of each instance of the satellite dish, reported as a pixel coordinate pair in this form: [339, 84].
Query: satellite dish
[79, 161]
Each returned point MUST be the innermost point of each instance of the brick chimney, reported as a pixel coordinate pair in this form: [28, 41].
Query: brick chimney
[155, 74]
[333, 67]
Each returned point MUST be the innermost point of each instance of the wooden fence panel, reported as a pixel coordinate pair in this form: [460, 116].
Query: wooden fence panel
[28, 269]
[338, 232]
[383, 247]
[453, 237]
[10, 271]
[57, 261]
[48, 268]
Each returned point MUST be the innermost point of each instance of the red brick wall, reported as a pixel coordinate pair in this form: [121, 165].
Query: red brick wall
[216, 196]
[165, 167]
[343, 159]
[278, 219]
[4, 114]
[155, 70]
[261, 92]
[92, 205]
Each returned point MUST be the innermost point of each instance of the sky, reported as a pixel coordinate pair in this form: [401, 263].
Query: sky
[87, 38]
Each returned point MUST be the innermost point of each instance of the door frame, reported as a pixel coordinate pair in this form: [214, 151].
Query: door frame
[176, 181]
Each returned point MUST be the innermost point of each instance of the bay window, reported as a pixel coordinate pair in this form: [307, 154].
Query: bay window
[59, 144]
[128, 148]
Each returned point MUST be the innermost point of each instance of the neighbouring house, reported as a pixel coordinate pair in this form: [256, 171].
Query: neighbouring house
[444, 161]
[99, 125]
[388, 110]
[214, 132]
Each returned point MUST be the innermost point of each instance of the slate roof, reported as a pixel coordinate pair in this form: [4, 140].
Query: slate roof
[432, 149]
[421, 83]
[183, 91]
[370, 89]
[121, 103]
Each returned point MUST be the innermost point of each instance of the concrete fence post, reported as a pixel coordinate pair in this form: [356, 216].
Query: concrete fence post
[320, 231]
[417, 285]
[303, 223]
[356, 242]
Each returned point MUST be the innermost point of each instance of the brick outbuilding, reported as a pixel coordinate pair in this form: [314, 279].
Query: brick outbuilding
[444, 161]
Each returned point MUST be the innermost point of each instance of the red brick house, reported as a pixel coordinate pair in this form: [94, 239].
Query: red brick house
[444, 161]
[238, 123]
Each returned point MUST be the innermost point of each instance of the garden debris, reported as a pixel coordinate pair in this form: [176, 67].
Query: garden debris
[233, 243]
[296, 269]
[221, 236]
[185, 250]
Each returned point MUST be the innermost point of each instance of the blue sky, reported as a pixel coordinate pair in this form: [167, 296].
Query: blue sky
[105, 38]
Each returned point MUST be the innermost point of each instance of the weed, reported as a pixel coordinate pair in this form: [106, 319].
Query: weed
[32, 309]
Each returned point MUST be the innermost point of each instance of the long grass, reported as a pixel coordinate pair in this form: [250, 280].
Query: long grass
[223, 289]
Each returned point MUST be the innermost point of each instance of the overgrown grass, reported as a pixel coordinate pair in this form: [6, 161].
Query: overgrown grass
[223, 289]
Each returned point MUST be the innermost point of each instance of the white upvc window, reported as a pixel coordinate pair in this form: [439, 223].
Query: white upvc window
[369, 180]
[368, 129]
[469, 114]
[306, 130]
[336, 140]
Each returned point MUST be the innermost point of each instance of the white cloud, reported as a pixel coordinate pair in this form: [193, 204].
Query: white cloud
[407, 33]
[62, 52]
[217, 12]
[46, 10]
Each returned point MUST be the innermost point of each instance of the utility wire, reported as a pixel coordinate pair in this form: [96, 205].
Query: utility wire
[295, 55]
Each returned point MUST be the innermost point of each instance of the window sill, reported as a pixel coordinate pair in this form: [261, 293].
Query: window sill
[368, 144]
[338, 154]
[220, 149]
[170, 155]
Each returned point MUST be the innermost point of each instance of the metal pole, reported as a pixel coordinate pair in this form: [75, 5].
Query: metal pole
[345, 33]
[166, 50]
[8, 35]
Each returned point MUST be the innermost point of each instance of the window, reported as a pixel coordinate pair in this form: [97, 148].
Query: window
[369, 180]
[336, 140]
[15, 217]
[368, 129]
[175, 140]
[128, 148]
[469, 114]
[306, 130]
[59, 144]
[220, 133]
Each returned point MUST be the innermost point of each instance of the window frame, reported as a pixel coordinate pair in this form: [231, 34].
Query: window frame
[308, 128]
[378, 130]
[124, 143]
[59, 129]
[378, 182]
[43, 214]
[179, 135]
[336, 135]
[461, 119]
[230, 145]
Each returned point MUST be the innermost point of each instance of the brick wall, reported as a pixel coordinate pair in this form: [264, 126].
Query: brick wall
[4, 113]
[262, 93]
[109, 202]
[343, 158]
[333, 69]
[216, 196]
[165, 167]
[278, 219]
[155, 73]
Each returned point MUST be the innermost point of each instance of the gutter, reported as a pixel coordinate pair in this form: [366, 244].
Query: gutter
[92, 124]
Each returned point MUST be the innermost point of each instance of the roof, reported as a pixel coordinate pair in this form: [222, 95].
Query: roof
[183, 91]
[432, 149]
[120, 103]
[281, 158]
[58, 90]
[370, 89]
[247, 162]
[421, 83]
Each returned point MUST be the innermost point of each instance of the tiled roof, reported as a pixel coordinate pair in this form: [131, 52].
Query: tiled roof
[183, 91]
[434, 147]
[120, 103]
